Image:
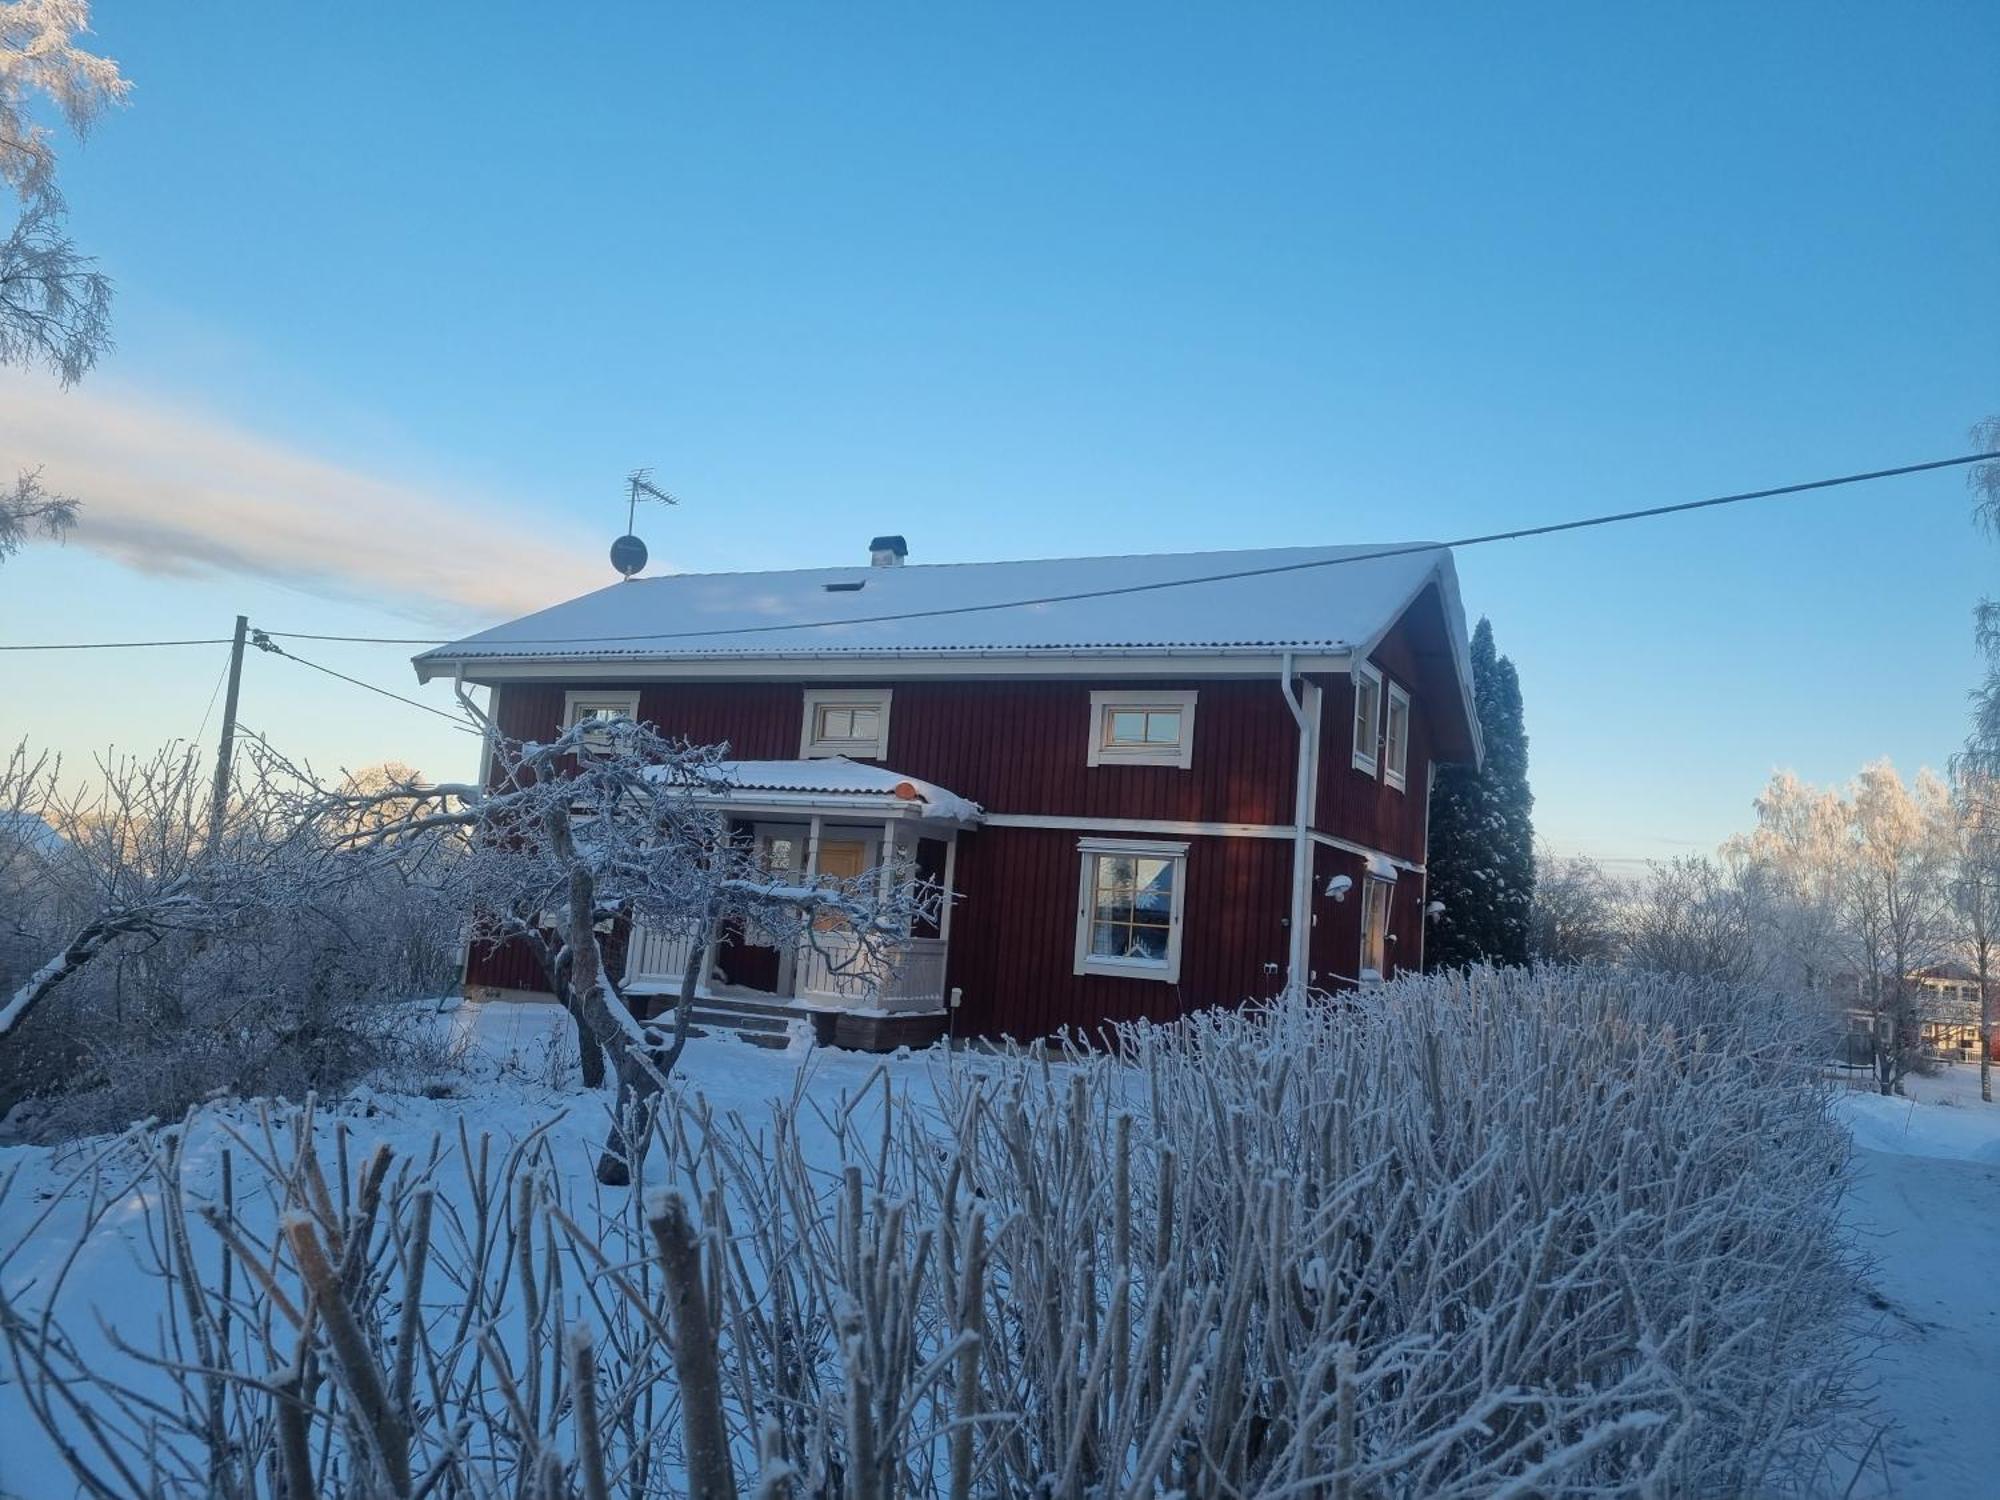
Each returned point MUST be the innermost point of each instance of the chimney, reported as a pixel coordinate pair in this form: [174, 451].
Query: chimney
[887, 552]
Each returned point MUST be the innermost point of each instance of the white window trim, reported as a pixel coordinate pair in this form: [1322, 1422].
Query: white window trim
[818, 698]
[1104, 700]
[1088, 850]
[626, 699]
[1366, 760]
[1396, 774]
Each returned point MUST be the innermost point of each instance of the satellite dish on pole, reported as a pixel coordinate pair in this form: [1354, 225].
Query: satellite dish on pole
[628, 553]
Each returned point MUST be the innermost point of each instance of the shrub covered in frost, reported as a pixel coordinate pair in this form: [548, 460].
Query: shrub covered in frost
[1533, 1234]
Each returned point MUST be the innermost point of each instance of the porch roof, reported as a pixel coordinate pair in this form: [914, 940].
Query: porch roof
[837, 781]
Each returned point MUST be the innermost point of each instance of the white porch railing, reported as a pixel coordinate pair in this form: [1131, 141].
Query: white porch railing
[656, 959]
[831, 968]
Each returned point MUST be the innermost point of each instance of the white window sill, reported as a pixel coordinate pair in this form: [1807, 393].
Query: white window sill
[1112, 968]
[1172, 759]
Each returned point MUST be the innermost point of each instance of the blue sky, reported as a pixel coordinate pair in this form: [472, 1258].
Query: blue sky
[404, 291]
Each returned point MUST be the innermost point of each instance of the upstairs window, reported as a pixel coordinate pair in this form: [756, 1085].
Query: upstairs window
[847, 721]
[1130, 901]
[1367, 717]
[581, 705]
[1396, 740]
[1141, 728]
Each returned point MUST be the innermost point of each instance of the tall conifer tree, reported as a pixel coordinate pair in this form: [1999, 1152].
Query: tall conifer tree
[1482, 848]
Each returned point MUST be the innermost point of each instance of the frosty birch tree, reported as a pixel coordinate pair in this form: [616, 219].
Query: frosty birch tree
[611, 823]
[1981, 755]
[55, 305]
[1897, 893]
[1797, 856]
[1975, 890]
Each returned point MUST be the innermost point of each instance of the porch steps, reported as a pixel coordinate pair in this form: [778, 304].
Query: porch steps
[756, 1022]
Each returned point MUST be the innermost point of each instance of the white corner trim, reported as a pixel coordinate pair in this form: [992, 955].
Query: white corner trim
[1089, 851]
[1103, 701]
[876, 748]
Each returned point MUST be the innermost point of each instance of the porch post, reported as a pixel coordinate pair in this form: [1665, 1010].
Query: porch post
[950, 890]
[789, 980]
[883, 881]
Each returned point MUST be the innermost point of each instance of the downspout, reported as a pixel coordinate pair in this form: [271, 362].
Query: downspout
[1297, 972]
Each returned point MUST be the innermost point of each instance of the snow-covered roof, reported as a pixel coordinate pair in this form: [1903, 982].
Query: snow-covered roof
[1287, 598]
[838, 778]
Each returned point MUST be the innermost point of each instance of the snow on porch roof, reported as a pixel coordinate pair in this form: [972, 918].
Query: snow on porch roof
[836, 776]
[1317, 603]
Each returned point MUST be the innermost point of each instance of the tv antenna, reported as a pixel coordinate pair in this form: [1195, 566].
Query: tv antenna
[628, 553]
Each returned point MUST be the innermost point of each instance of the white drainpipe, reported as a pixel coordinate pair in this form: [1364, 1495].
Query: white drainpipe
[1297, 973]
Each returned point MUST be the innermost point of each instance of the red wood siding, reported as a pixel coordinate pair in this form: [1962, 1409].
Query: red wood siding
[1012, 747]
[1013, 934]
[1365, 809]
[1335, 951]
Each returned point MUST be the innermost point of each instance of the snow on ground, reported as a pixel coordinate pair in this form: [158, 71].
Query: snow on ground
[1926, 1207]
[511, 1073]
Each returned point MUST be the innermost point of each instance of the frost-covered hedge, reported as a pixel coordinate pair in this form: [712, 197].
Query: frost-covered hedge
[1564, 1233]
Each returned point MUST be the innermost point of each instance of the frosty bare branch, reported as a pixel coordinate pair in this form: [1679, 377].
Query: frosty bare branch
[1257, 1255]
[612, 822]
[29, 508]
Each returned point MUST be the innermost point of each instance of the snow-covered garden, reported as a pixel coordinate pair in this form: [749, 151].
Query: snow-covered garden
[1512, 1234]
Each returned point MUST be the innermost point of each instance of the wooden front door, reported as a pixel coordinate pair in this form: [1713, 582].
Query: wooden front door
[840, 859]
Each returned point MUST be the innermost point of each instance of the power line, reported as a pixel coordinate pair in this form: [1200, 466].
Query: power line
[212, 640]
[1377, 555]
[213, 693]
[263, 642]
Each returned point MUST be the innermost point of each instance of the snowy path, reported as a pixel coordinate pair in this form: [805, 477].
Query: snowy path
[1926, 1204]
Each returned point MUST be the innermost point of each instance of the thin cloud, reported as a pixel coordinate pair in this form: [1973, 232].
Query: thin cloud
[172, 493]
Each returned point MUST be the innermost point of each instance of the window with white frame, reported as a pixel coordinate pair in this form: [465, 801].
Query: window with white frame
[1367, 716]
[1396, 739]
[1141, 727]
[1131, 897]
[1375, 895]
[581, 705]
[846, 721]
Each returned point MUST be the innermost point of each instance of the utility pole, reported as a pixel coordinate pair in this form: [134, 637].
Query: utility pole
[218, 807]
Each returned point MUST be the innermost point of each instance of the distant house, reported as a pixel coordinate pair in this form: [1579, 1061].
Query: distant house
[1944, 1000]
[1143, 801]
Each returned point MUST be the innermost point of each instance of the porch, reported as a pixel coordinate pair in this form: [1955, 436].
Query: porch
[827, 818]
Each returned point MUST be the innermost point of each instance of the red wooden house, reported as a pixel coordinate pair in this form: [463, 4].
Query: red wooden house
[1146, 793]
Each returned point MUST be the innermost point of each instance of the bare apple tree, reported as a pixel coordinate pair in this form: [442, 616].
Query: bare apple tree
[612, 823]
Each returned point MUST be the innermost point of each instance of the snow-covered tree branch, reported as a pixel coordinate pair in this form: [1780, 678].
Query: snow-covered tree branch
[612, 823]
